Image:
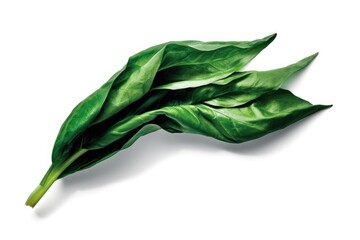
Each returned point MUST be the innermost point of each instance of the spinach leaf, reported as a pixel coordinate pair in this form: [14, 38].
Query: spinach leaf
[180, 87]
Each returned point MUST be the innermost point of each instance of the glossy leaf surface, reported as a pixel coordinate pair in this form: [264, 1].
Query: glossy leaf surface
[181, 87]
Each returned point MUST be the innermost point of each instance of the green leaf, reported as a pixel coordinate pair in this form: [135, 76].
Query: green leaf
[246, 86]
[188, 67]
[270, 112]
[181, 87]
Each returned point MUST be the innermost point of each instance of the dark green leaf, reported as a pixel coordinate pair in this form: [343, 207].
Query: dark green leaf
[181, 87]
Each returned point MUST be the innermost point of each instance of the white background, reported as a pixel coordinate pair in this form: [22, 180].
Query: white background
[299, 183]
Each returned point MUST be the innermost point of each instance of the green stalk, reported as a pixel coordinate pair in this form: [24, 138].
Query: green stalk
[50, 177]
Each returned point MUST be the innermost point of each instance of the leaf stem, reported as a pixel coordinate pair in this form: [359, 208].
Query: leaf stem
[50, 177]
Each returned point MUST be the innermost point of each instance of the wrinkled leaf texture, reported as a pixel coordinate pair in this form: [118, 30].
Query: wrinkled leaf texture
[181, 87]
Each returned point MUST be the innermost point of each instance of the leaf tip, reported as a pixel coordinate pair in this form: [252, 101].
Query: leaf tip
[322, 107]
[313, 56]
[270, 38]
[306, 61]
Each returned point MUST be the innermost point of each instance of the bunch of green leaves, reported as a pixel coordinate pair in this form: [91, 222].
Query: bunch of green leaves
[180, 87]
